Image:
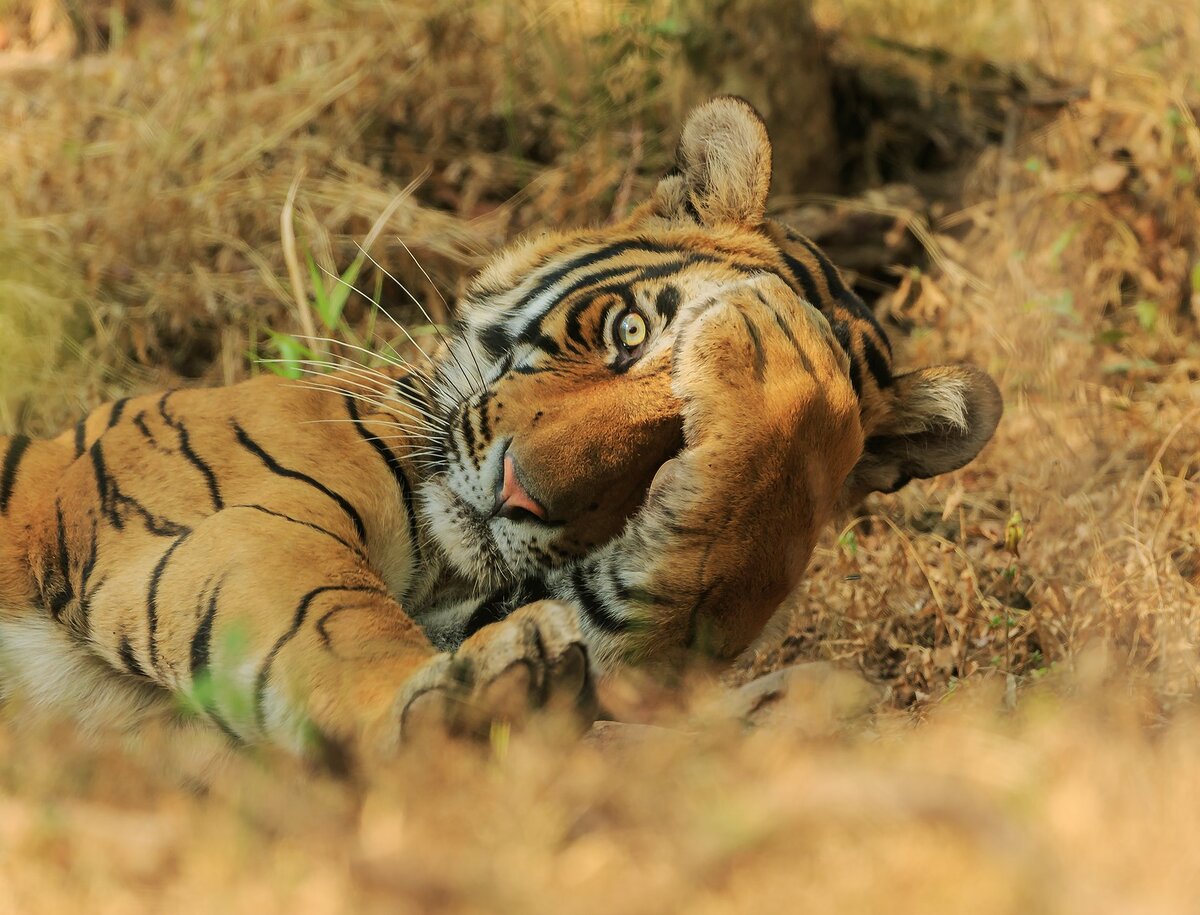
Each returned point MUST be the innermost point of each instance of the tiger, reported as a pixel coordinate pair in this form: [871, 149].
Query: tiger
[622, 453]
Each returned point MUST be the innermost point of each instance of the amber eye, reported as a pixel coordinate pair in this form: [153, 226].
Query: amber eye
[631, 330]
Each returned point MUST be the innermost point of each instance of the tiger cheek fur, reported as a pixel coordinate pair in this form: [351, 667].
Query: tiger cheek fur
[588, 445]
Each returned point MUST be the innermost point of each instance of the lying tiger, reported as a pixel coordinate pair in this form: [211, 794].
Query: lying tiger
[623, 454]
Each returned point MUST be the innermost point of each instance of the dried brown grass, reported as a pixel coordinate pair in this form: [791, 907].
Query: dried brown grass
[1034, 617]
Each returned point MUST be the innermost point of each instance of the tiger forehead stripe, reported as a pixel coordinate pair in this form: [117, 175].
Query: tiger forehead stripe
[543, 292]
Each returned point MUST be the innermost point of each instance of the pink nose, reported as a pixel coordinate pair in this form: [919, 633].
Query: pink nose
[513, 499]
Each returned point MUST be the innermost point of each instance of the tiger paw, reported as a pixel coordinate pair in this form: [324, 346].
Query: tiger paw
[535, 660]
[756, 367]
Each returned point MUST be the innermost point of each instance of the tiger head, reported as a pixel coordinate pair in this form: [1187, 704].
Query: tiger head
[556, 393]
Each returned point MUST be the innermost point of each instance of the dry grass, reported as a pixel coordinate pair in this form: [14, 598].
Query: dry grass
[1034, 617]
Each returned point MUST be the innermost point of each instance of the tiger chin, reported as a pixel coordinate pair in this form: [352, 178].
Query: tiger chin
[623, 454]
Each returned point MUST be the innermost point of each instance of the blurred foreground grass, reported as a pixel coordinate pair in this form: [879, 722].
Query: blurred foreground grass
[1034, 618]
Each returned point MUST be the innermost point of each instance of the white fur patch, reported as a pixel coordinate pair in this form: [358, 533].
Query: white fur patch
[53, 675]
[943, 403]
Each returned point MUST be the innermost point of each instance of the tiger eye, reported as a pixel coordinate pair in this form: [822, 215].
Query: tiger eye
[631, 332]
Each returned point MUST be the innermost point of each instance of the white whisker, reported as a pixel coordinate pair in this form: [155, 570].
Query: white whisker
[424, 312]
[439, 432]
[388, 315]
[398, 362]
[391, 393]
[446, 305]
[421, 435]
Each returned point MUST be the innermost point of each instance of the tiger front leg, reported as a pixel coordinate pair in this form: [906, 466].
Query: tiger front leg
[279, 631]
[352, 672]
[771, 431]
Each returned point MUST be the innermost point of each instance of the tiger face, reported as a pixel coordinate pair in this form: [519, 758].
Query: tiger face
[559, 392]
[572, 411]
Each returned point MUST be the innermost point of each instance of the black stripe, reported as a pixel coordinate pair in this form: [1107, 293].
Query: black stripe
[666, 303]
[841, 293]
[591, 604]
[619, 587]
[575, 312]
[110, 496]
[546, 344]
[485, 416]
[63, 591]
[234, 737]
[323, 622]
[641, 274]
[498, 605]
[787, 331]
[407, 390]
[152, 598]
[356, 550]
[140, 421]
[89, 564]
[129, 659]
[114, 415]
[841, 333]
[85, 596]
[8, 473]
[80, 437]
[624, 291]
[534, 589]
[811, 294]
[495, 340]
[876, 363]
[594, 257]
[275, 467]
[573, 326]
[468, 432]
[760, 355]
[397, 468]
[857, 307]
[85, 608]
[587, 260]
[791, 338]
[185, 446]
[494, 608]
[102, 485]
[298, 617]
[833, 279]
[201, 645]
[202, 638]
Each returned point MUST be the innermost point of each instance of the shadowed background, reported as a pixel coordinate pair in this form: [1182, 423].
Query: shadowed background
[1014, 184]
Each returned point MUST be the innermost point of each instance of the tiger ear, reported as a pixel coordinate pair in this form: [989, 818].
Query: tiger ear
[723, 166]
[938, 419]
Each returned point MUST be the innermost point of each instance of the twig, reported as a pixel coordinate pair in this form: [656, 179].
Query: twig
[287, 234]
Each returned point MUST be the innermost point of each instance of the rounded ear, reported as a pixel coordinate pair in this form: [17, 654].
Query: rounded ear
[939, 418]
[723, 165]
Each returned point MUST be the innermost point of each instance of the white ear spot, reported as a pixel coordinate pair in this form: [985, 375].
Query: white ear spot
[940, 418]
[725, 156]
[930, 406]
